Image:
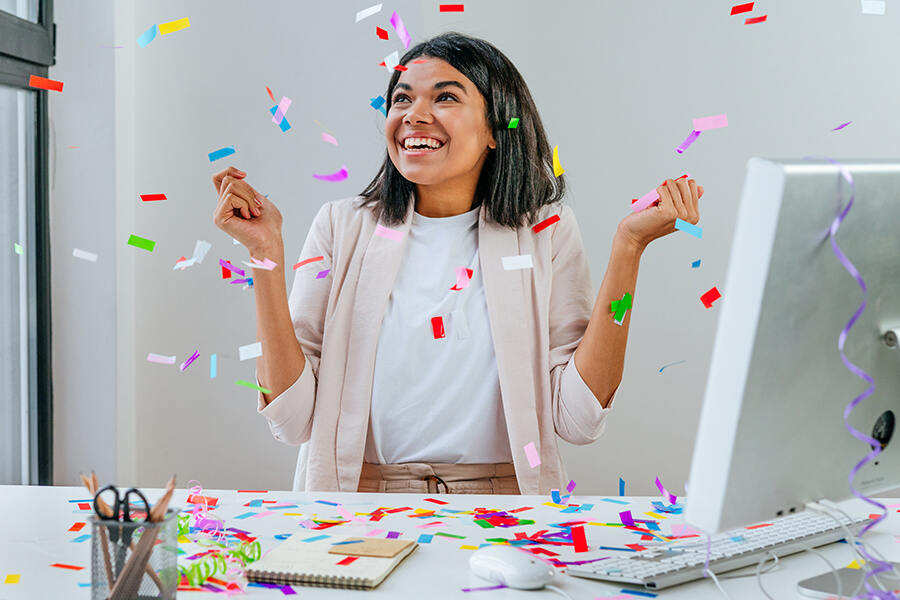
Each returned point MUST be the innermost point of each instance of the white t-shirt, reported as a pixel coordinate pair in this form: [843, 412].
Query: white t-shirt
[437, 400]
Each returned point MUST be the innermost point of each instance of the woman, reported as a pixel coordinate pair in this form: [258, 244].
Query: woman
[399, 370]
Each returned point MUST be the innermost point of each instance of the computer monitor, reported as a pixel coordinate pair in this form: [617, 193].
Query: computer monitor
[772, 435]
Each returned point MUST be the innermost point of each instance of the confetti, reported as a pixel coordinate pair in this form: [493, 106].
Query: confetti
[307, 261]
[153, 197]
[84, 255]
[221, 153]
[253, 386]
[672, 498]
[513, 123]
[626, 518]
[13, 578]
[284, 125]
[367, 12]
[400, 28]
[437, 327]
[741, 8]
[249, 351]
[391, 234]
[264, 264]
[545, 223]
[378, 103]
[841, 126]
[522, 261]
[463, 277]
[161, 359]
[381, 33]
[709, 297]
[142, 243]
[751, 21]
[621, 486]
[690, 228]
[18, 249]
[873, 7]
[695, 264]
[190, 360]
[283, 107]
[78, 526]
[45, 84]
[677, 362]
[227, 266]
[173, 26]
[578, 539]
[271, 95]
[213, 364]
[148, 36]
[557, 168]
[323, 274]
[531, 453]
[64, 566]
[451, 8]
[619, 307]
[714, 122]
[328, 138]
[339, 176]
[690, 139]
[645, 200]
[81, 538]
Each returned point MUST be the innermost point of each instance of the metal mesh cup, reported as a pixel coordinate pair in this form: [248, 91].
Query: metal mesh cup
[151, 567]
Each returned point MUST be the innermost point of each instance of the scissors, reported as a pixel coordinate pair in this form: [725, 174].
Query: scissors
[121, 512]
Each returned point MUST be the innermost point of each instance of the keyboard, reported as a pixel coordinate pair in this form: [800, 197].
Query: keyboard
[680, 561]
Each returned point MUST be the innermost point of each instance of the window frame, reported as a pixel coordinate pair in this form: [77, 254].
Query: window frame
[27, 49]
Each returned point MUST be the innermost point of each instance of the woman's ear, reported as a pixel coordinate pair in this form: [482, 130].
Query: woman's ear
[492, 143]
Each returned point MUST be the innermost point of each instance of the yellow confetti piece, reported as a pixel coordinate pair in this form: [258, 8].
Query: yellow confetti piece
[293, 514]
[12, 578]
[557, 168]
[854, 565]
[607, 524]
[173, 26]
[554, 505]
[654, 515]
[468, 547]
[183, 540]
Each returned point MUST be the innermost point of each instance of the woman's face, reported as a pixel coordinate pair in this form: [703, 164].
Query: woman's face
[436, 128]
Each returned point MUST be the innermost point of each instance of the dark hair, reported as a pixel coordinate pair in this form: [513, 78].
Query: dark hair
[517, 176]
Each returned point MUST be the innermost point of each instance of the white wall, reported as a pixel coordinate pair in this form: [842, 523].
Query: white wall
[617, 85]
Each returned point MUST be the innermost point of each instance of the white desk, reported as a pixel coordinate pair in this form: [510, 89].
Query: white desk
[34, 523]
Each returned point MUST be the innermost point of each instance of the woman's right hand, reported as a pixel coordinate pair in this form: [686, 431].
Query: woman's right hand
[245, 214]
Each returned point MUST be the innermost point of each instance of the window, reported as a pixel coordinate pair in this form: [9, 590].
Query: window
[26, 48]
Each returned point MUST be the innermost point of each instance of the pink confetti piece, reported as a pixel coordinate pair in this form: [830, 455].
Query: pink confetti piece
[328, 138]
[283, 107]
[714, 122]
[400, 28]
[374, 532]
[264, 513]
[309, 524]
[531, 452]
[391, 234]
[645, 200]
[690, 139]
[265, 263]
[430, 525]
[159, 358]
[462, 278]
[188, 362]
[339, 176]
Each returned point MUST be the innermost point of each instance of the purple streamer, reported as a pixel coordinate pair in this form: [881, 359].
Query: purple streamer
[687, 142]
[882, 566]
[231, 267]
[400, 28]
[188, 362]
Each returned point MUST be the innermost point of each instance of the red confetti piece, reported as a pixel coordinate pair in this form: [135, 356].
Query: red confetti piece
[452, 8]
[741, 8]
[226, 274]
[202, 500]
[759, 526]
[62, 566]
[153, 197]
[45, 84]
[77, 527]
[253, 491]
[752, 20]
[709, 297]
[578, 539]
[636, 547]
[347, 560]
[417, 62]
[271, 95]
[307, 261]
[85, 506]
[382, 33]
[437, 327]
[547, 223]
[435, 501]
[401, 68]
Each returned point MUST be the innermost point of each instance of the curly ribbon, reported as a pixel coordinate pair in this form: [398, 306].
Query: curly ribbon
[881, 566]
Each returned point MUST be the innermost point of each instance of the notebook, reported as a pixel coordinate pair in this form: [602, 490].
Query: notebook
[298, 562]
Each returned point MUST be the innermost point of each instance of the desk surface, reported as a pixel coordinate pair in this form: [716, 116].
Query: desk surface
[35, 523]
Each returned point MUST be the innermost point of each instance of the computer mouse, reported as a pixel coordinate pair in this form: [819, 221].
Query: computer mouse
[512, 567]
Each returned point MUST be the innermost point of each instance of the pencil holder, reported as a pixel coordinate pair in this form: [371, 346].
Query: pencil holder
[134, 559]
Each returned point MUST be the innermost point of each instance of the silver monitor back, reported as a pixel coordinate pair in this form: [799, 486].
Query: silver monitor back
[771, 434]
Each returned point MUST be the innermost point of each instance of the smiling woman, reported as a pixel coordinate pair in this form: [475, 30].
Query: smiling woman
[457, 335]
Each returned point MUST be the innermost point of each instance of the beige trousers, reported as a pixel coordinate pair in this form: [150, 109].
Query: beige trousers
[437, 478]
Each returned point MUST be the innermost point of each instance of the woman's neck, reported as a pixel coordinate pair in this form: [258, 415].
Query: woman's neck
[446, 199]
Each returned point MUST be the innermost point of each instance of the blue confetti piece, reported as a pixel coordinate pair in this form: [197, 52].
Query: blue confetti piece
[82, 538]
[621, 486]
[316, 538]
[245, 515]
[614, 501]
[638, 593]
[425, 538]
[88, 584]
[695, 264]
[284, 125]
[221, 153]
[378, 103]
[686, 227]
[148, 36]
[212, 366]
[327, 502]
[282, 506]
[255, 503]
[283, 536]
[347, 542]
[614, 548]
[737, 538]
[89, 500]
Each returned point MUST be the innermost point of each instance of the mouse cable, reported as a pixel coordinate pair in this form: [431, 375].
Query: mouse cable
[558, 591]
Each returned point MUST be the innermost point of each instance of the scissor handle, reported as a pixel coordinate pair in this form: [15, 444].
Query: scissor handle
[115, 507]
[121, 503]
[126, 505]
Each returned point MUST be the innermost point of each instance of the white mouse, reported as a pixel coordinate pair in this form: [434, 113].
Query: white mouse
[512, 567]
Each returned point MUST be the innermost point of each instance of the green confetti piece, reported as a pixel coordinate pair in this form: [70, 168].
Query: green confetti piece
[619, 307]
[513, 123]
[484, 523]
[497, 540]
[142, 243]
[18, 248]
[526, 522]
[252, 386]
[450, 535]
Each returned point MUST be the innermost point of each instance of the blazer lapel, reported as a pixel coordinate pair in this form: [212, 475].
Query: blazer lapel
[380, 265]
[511, 327]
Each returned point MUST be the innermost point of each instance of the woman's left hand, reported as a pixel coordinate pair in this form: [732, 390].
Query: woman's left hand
[678, 199]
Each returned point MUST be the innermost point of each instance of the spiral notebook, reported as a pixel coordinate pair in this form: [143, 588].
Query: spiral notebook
[361, 564]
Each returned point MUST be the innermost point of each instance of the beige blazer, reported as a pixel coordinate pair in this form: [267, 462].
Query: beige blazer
[538, 316]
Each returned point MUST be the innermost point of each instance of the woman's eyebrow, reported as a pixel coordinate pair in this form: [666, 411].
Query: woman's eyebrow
[439, 85]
